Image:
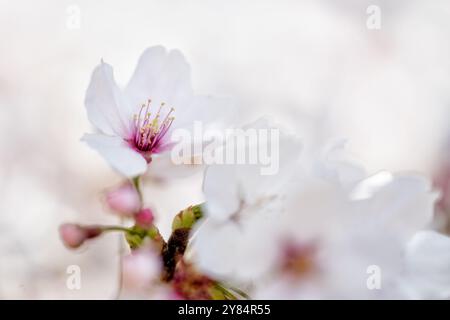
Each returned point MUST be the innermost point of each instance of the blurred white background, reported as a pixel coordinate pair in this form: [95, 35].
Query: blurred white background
[313, 65]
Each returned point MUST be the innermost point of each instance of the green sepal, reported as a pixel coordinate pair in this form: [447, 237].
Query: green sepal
[187, 217]
[136, 236]
[134, 240]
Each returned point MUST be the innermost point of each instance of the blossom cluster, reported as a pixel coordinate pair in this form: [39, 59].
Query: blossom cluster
[317, 227]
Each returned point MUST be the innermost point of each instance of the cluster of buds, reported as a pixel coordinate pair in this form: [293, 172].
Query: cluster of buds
[125, 201]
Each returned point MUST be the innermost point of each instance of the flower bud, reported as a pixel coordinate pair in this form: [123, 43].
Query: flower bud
[74, 235]
[144, 218]
[124, 200]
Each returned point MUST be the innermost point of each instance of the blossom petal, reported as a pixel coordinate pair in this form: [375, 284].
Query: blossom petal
[117, 153]
[428, 264]
[227, 185]
[266, 180]
[161, 76]
[209, 242]
[237, 251]
[335, 165]
[162, 168]
[106, 107]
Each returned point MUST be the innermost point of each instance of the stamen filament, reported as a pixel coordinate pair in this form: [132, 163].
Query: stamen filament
[150, 131]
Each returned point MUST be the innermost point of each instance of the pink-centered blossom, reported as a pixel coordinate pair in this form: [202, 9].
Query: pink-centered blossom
[135, 124]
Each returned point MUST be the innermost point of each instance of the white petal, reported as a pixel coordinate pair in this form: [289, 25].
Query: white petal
[336, 165]
[226, 186]
[106, 107]
[162, 77]
[406, 205]
[428, 264]
[214, 245]
[212, 112]
[141, 268]
[117, 153]
[367, 187]
[242, 252]
[221, 189]
[257, 183]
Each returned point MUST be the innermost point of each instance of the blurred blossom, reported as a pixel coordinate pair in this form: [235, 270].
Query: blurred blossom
[352, 234]
[136, 124]
[124, 199]
[74, 235]
[427, 266]
[141, 268]
[241, 207]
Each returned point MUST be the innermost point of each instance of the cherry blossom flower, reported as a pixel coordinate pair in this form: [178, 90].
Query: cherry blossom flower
[427, 266]
[353, 227]
[74, 235]
[135, 124]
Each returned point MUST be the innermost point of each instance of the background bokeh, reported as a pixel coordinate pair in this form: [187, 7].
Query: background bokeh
[314, 66]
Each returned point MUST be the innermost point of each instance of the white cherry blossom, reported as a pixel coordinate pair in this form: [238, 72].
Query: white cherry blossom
[368, 226]
[135, 124]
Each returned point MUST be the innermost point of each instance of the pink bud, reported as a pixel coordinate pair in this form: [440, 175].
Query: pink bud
[74, 235]
[144, 218]
[124, 200]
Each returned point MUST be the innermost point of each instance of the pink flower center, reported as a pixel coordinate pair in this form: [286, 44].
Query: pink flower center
[150, 129]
